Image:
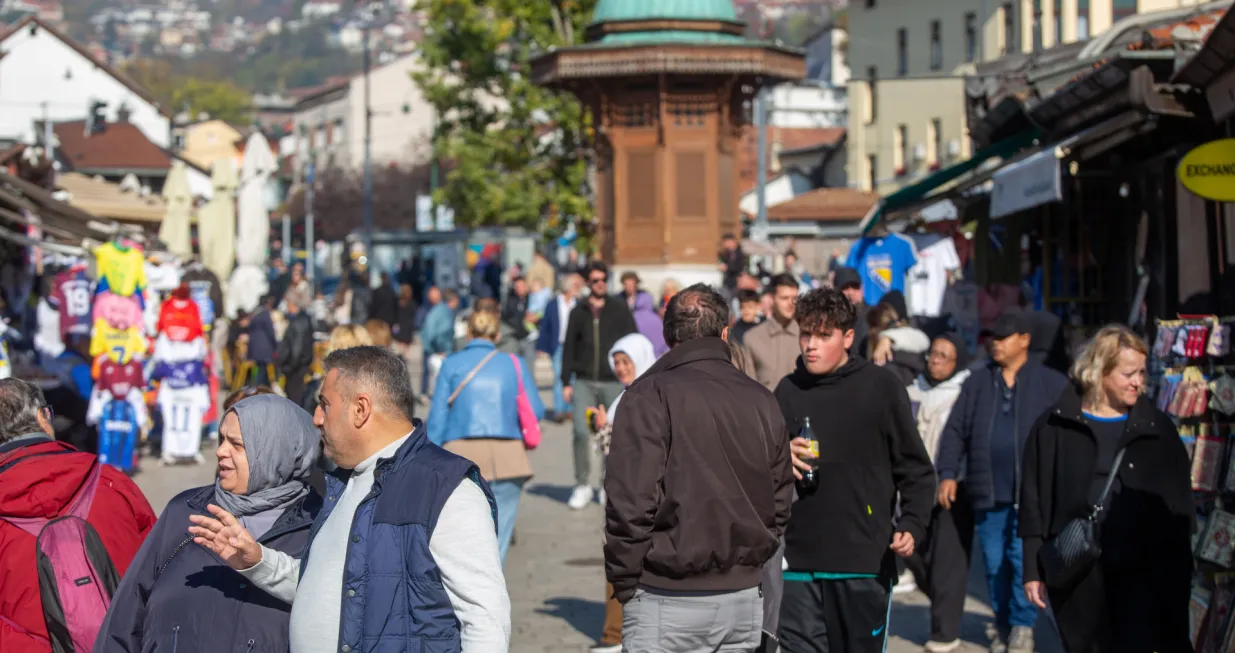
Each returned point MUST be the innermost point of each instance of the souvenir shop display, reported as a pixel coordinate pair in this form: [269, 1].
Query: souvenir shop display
[121, 267]
[181, 369]
[929, 278]
[204, 289]
[1191, 383]
[71, 293]
[120, 426]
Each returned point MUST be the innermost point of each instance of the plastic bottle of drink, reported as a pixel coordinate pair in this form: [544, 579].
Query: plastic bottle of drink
[810, 478]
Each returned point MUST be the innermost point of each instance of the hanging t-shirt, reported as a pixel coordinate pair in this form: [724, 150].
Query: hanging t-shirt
[180, 375]
[199, 292]
[164, 277]
[117, 310]
[183, 410]
[928, 278]
[882, 263]
[100, 398]
[120, 378]
[173, 351]
[120, 345]
[180, 320]
[122, 271]
[47, 340]
[70, 295]
[118, 435]
[205, 290]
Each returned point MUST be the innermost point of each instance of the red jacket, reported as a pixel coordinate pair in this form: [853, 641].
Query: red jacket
[42, 487]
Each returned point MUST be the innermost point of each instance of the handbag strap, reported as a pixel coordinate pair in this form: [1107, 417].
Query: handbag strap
[468, 379]
[1106, 489]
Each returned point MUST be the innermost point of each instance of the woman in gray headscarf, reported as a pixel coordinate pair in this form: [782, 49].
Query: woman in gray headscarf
[176, 595]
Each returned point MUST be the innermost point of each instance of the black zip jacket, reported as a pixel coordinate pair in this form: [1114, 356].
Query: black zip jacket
[869, 450]
[589, 337]
[1149, 518]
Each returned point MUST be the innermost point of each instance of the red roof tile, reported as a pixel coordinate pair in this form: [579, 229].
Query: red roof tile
[825, 205]
[120, 146]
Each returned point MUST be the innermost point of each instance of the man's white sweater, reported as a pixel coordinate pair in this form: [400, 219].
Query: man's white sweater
[464, 546]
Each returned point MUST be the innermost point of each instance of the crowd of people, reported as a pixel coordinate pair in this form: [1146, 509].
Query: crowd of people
[772, 458]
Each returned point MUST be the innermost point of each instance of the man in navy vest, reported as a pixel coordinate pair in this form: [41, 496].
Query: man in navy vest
[404, 551]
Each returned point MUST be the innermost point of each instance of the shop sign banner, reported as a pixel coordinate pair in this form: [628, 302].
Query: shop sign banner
[1026, 184]
[1209, 170]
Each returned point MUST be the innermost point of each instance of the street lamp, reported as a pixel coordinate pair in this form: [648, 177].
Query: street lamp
[368, 15]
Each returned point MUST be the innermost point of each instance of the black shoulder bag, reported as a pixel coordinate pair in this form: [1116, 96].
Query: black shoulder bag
[1068, 556]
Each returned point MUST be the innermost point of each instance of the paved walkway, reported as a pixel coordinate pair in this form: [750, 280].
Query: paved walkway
[555, 570]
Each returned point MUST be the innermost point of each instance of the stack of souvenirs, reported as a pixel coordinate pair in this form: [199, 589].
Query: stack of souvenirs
[118, 347]
[181, 368]
[1192, 385]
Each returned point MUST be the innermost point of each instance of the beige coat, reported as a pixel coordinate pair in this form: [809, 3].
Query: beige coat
[773, 351]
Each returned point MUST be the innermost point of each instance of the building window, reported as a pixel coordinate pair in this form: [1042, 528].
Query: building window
[971, 36]
[1011, 43]
[872, 77]
[936, 45]
[1122, 9]
[934, 143]
[1058, 22]
[872, 168]
[902, 52]
[900, 150]
[1037, 25]
[1082, 20]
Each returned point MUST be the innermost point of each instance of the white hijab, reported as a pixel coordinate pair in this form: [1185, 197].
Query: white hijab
[641, 352]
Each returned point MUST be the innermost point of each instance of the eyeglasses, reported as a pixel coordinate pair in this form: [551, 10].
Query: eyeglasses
[938, 356]
[51, 413]
[596, 280]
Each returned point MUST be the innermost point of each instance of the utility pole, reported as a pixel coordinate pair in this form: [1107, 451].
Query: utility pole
[368, 144]
[49, 143]
[309, 242]
[759, 232]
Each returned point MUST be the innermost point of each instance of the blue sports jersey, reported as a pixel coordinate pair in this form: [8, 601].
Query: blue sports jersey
[180, 375]
[882, 263]
[199, 292]
[118, 434]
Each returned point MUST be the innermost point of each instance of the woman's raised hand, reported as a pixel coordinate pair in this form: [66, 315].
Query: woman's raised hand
[226, 538]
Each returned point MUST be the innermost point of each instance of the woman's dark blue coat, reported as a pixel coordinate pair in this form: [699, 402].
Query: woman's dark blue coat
[177, 597]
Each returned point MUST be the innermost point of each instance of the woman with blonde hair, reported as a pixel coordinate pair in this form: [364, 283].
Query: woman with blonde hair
[344, 336]
[475, 414]
[380, 333]
[1106, 454]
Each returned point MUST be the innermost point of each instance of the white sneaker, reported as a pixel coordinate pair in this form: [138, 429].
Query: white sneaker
[941, 647]
[606, 648]
[905, 584]
[198, 459]
[582, 496]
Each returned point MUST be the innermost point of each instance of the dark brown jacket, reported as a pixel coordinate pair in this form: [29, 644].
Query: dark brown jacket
[698, 477]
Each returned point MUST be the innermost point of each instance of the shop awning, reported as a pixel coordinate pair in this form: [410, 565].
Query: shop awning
[914, 193]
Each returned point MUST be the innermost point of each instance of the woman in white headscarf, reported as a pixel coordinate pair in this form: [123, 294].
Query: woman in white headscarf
[629, 358]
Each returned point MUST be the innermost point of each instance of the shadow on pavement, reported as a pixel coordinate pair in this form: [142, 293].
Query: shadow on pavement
[558, 493]
[585, 616]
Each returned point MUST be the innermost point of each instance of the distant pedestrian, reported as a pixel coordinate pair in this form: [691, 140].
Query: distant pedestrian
[262, 341]
[983, 444]
[294, 356]
[843, 536]
[732, 262]
[267, 451]
[517, 316]
[437, 336]
[591, 331]
[849, 282]
[773, 345]
[748, 316]
[699, 487]
[475, 415]
[649, 323]
[1136, 597]
[385, 305]
[553, 334]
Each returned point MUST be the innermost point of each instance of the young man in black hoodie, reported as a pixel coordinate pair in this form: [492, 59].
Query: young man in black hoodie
[841, 539]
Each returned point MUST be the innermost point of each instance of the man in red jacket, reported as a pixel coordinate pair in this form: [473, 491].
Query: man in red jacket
[38, 478]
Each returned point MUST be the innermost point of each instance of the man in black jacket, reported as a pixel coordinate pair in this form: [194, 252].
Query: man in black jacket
[841, 537]
[294, 356]
[385, 306]
[515, 316]
[592, 329]
[688, 527]
[984, 440]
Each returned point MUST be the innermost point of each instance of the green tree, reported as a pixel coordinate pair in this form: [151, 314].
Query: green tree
[518, 152]
[220, 98]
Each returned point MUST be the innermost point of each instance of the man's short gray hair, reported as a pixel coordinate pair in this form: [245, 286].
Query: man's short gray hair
[20, 403]
[376, 370]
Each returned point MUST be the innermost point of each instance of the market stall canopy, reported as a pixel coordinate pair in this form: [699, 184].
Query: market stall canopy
[27, 203]
[175, 230]
[216, 221]
[253, 216]
[109, 201]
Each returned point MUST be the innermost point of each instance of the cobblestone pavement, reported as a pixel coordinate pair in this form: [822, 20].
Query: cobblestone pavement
[555, 571]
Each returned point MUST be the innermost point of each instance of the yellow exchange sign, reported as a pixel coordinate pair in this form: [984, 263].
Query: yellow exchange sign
[1209, 170]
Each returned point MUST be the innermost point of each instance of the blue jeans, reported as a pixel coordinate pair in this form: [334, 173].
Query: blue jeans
[506, 493]
[1001, 549]
[559, 402]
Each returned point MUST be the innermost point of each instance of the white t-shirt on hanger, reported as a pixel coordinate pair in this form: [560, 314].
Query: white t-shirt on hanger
[927, 280]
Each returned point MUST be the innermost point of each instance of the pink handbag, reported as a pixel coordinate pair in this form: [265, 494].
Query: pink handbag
[527, 417]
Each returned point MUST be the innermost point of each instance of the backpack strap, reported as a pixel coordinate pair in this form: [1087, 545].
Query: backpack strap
[79, 505]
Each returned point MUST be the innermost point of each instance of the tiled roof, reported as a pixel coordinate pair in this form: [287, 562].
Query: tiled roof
[108, 201]
[825, 205]
[120, 146]
[786, 139]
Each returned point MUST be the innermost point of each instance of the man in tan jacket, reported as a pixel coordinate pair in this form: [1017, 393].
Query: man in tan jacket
[773, 346]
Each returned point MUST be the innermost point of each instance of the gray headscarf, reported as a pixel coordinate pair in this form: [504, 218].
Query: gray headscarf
[280, 441]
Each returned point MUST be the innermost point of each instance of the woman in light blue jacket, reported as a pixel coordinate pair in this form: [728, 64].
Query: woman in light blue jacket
[475, 415]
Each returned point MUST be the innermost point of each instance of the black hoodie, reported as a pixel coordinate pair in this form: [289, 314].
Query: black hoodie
[869, 450]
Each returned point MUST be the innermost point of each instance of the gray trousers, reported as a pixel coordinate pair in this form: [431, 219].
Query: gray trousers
[588, 394]
[664, 621]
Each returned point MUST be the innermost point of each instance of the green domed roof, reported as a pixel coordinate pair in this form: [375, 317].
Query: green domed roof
[607, 10]
[635, 11]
